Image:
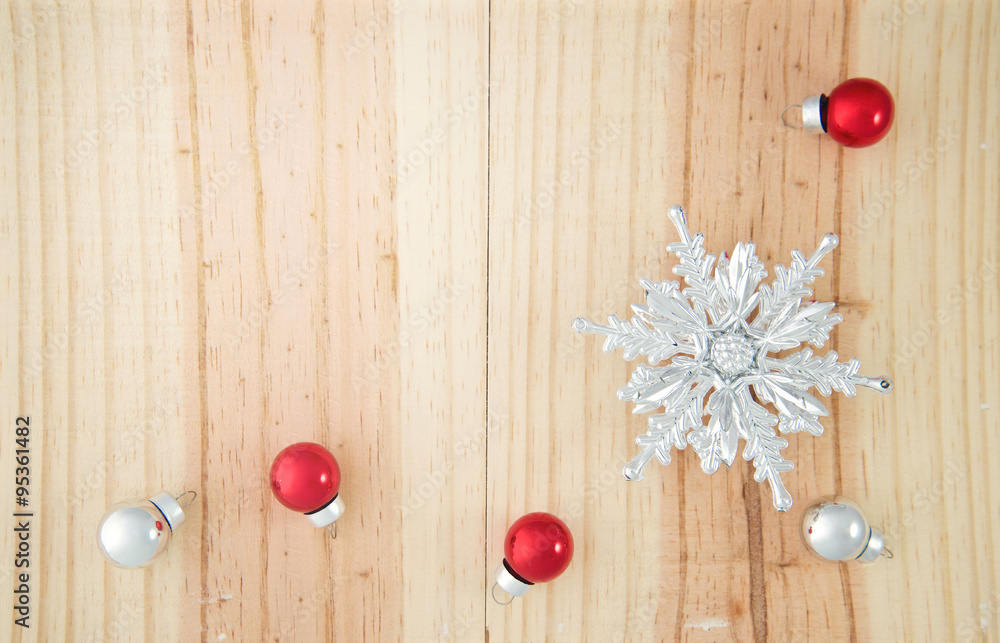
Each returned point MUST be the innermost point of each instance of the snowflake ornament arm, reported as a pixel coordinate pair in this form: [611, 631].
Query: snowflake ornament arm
[718, 333]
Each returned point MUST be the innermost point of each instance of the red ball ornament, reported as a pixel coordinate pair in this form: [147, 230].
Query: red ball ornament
[305, 477]
[538, 547]
[858, 112]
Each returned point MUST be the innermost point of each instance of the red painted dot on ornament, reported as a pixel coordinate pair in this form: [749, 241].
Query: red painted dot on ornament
[159, 526]
[538, 547]
[305, 477]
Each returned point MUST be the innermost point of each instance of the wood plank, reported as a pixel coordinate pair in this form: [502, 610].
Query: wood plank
[227, 258]
[738, 568]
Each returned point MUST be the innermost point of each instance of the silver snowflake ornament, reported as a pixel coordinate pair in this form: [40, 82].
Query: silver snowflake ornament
[719, 334]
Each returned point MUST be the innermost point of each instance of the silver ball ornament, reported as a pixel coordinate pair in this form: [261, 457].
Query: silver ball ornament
[836, 529]
[134, 534]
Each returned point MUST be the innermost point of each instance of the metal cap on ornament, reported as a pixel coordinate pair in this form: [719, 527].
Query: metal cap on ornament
[509, 581]
[325, 516]
[170, 507]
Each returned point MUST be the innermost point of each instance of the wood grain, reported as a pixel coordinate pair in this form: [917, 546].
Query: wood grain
[235, 225]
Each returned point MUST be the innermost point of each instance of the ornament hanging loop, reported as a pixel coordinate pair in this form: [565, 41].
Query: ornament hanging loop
[879, 384]
[493, 593]
[886, 553]
[185, 505]
[332, 528]
[792, 125]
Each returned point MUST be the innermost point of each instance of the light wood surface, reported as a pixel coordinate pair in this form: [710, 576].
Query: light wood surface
[230, 226]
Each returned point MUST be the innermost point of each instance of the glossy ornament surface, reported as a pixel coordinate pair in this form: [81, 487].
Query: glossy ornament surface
[305, 477]
[836, 529]
[859, 112]
[538, 547]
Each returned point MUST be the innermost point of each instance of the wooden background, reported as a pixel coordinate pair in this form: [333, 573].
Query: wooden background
[229, 226]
